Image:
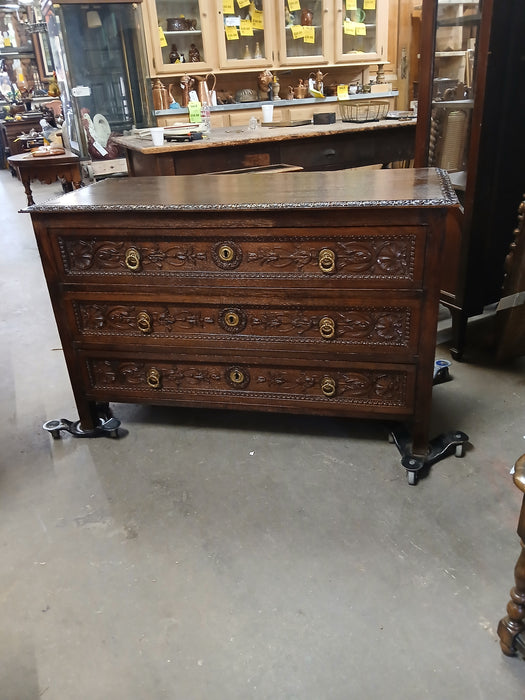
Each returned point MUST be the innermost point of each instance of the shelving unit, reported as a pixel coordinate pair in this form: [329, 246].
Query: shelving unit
[226, 35]
[99, 54]
[470, 114]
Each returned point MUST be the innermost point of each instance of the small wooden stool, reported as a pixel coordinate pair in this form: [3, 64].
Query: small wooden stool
[510, 628]
[47, 169]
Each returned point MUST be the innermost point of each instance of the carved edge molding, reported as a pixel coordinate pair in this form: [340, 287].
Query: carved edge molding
[448, 198]
[247, 206]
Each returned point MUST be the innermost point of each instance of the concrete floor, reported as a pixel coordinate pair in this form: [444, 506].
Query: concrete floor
[224, 556]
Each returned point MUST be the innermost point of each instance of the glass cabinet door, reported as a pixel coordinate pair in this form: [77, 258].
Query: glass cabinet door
[303, 31]
[360, 28]
[245, 29]
[453, 87]
[180, 34]
[100, 58]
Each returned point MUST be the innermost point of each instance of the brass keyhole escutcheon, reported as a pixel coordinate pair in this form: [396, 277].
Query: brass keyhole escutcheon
[328, 386]
[144, 322]
[153, 378]
[326, 260]
[327, 327]
[132, 259]
[237, 376]
[226, 253]
[231, 319]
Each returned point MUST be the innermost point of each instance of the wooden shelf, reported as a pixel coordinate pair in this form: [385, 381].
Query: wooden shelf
[460, 21]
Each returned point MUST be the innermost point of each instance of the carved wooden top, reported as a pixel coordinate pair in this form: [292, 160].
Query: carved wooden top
[424, 187]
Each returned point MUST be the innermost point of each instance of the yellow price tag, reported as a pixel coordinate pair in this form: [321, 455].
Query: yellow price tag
[246, 27]
[194, 112]
[297, 31]
[227, 7]
[342, 92]
[309, 35]
[231, 33]
[360, 29]
[351, 4]
[349, 27]
[369, 4]
[258, 19]
[294, 5]
[243, 3]
[162, 38]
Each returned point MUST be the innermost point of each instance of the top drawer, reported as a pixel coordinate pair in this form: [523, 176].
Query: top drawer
[388, 257]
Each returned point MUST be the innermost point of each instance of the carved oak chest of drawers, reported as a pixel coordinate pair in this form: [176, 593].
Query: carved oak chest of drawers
[298, 292]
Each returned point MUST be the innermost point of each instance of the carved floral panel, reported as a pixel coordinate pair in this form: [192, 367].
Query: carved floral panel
[390, 256]
[386, 326]
[367, 387]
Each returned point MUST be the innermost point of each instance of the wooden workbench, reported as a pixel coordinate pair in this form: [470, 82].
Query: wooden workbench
[313, 147]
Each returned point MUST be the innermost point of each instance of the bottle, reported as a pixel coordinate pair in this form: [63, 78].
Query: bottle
[252, 124]
[206, 117]
[257, 53]
[275, 88]
[161, 98]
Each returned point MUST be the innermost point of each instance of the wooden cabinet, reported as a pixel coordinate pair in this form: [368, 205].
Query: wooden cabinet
[446, 99]
[179, 33]
[245, 35]
[470, 99]
[361, 33]
[298, 292]
[264, 34]
[12, 129]
[100, 58]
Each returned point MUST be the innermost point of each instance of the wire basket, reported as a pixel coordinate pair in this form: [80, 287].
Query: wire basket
[353, 111]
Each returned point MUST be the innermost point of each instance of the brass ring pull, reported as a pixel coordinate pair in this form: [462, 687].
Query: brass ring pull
[237, 376]
[144, 322]
[153, 378]
[327, 327]
[326, 260]
[132, 259]
[231, 319]
[226, 253]
[328, 386]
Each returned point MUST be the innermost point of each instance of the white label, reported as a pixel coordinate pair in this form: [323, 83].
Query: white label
[100, 148]
[232, 21]
[81, 91]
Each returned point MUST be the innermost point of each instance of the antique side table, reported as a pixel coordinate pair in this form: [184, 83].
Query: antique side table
[47, 169]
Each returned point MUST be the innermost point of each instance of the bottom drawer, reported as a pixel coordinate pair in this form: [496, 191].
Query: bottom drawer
[335, 388]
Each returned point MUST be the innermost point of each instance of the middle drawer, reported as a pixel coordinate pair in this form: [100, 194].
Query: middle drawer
[359, 324]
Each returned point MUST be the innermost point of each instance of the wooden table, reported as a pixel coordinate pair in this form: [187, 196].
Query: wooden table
[312, 147]
[47, 169]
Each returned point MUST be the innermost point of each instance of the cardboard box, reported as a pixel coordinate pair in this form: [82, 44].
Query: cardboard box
[382, 87]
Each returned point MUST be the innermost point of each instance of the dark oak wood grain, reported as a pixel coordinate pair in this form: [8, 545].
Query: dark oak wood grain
[297, 292]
